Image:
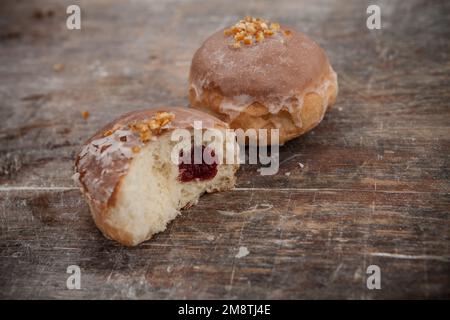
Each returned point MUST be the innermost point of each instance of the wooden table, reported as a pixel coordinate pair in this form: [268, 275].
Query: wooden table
[373, 189]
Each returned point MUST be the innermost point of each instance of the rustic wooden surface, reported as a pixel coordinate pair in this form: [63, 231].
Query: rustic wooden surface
[374, 188]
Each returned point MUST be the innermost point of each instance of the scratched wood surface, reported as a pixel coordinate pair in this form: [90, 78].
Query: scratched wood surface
[374, 186]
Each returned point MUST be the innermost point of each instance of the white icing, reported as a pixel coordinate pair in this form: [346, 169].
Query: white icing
[235, 105]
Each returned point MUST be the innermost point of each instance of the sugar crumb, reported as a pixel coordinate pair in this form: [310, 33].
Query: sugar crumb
[243, 252]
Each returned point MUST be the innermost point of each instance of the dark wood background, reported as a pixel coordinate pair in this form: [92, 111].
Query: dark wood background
[374, 188]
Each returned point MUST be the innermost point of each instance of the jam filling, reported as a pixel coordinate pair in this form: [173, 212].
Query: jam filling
[200, 172]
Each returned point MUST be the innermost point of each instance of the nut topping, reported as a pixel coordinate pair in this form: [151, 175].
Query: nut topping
[251, 30]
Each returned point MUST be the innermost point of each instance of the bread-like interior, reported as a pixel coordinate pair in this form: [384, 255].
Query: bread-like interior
[151, 194]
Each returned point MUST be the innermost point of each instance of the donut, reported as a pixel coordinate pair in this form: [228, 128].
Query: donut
[260, 75]
[132, 185]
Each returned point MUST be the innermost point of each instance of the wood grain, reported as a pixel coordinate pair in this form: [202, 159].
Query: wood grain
[374, 187]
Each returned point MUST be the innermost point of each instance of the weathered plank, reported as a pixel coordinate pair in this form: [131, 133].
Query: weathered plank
[300, 243]
[374, 186]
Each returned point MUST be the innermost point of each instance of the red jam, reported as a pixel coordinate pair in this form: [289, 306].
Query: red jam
[201, 172]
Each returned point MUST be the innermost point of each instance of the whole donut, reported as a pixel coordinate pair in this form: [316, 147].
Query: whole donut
[255, 78]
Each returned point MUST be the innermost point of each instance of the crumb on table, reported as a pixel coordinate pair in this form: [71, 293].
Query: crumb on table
[85, 114]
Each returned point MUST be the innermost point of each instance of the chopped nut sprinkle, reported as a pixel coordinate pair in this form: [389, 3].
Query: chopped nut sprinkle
[275, 26]
[269, 32]
[148, 127]
[251, 30]
[136, 149]
[85, 114]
